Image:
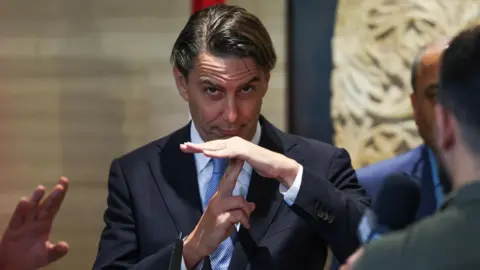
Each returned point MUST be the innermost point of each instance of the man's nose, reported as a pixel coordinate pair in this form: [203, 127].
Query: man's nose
[230, 113]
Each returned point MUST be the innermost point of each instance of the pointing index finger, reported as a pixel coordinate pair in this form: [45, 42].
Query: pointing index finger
[229, 179]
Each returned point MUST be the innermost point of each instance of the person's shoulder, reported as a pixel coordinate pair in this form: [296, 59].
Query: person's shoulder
[144, 152]
[424, 245]
[389, 252]
[384, 253]
[309, 147]
[450, 227]
[314, 146]
[400, 163]
[447, 240]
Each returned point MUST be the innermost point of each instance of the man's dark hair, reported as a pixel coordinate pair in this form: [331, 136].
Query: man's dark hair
[459, 89]
[415, 65]
[418, 60]
[223, 31]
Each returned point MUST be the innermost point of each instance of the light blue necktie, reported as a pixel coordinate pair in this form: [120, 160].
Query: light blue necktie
[220, 259]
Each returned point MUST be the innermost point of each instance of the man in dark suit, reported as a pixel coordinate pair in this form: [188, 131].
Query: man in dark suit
[449, 238]
[421, 162]
[282, 200]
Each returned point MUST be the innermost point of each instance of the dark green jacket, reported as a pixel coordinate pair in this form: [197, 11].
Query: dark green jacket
[450, 239]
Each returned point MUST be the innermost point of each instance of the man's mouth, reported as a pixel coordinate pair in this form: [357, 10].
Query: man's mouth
[230, 132]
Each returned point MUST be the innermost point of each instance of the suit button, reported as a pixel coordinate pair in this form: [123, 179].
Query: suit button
[323, 215]
[331, 219]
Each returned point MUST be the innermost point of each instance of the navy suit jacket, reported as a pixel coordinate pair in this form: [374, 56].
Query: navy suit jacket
[153, 196]
[416, 164]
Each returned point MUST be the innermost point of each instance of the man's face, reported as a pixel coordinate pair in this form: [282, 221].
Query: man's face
[424, 97]
[224, 95]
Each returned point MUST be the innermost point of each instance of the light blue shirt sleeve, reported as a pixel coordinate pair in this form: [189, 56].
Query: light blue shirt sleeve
[183, 266]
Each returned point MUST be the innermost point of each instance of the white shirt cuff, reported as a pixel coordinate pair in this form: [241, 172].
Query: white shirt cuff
[290, 195]
[183, 266]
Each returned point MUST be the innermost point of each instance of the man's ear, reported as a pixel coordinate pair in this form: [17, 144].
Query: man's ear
[181, 83]
[412, 99]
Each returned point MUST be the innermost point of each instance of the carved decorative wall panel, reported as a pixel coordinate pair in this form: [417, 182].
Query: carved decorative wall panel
[374, 44]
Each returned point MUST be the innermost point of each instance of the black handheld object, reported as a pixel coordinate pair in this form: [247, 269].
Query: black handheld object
[394, 209]
[177, 253]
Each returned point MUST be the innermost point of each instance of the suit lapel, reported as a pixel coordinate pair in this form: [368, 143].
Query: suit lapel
[265, 194]
[176, 177]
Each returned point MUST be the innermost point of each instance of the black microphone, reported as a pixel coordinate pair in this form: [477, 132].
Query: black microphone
[394, 209]
[177, 253]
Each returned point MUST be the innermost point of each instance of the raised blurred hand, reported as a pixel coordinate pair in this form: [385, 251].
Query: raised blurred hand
[26, 244]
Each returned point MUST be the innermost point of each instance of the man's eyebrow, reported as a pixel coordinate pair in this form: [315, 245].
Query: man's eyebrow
[433, 86]
[206, 80]
[209, 81]
[252, 80]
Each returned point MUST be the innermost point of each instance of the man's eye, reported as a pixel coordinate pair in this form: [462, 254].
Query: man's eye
[211, 90]
[431, 95]
[247, 89]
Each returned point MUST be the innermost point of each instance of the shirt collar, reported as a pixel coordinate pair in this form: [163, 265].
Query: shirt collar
[201, 160]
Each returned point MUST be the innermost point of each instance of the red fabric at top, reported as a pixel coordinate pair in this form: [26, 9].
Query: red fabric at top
[201, 4]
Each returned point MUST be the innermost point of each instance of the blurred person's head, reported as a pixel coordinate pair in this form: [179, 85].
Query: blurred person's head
[222, 61]
[424, 82]
[457, 123]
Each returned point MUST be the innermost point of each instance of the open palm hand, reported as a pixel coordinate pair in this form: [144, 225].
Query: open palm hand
[25, 244]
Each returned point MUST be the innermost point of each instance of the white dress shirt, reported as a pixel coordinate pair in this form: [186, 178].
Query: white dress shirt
[205, 169]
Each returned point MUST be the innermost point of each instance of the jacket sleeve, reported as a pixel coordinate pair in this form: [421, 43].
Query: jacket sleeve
[118, 247]
[333, 203]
